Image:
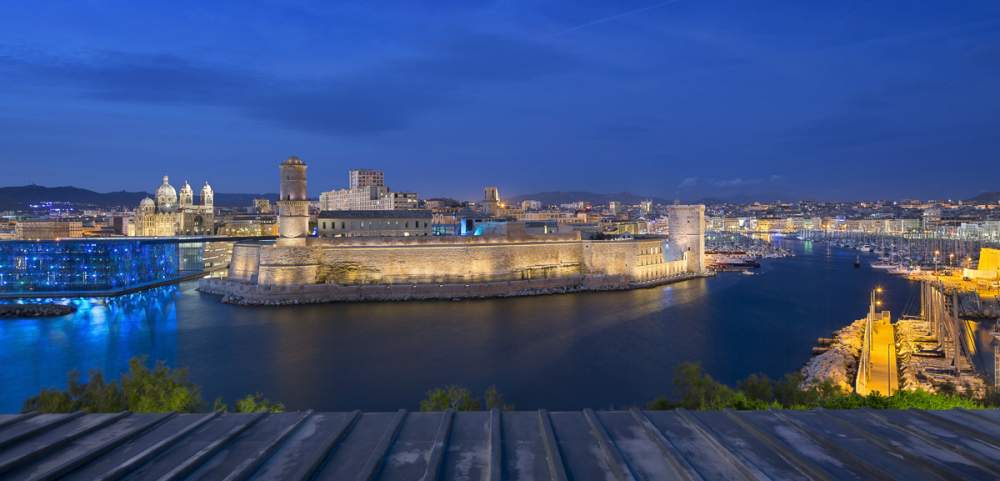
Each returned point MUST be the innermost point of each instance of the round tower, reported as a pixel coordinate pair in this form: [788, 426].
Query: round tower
[293, 203]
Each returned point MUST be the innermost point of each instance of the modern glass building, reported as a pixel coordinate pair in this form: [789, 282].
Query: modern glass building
[87, 265]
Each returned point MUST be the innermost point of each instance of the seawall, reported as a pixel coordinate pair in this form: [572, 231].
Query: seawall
[244, 293]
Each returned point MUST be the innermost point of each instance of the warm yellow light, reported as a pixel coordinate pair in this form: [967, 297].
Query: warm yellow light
[878, 303]
[878, 289]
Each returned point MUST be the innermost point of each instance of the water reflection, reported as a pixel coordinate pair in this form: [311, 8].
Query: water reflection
[559, 352]
[101, 335]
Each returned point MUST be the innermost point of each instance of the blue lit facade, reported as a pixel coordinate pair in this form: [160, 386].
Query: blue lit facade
[85, 265]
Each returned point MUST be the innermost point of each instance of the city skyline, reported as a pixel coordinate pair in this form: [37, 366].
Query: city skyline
[680, 99]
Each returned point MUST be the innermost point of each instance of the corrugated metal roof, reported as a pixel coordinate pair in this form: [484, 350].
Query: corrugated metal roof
[515, 445]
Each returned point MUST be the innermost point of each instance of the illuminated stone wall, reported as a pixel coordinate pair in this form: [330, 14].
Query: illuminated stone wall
[686, 225]
[451, 260]
[245, 261]
[463, 260]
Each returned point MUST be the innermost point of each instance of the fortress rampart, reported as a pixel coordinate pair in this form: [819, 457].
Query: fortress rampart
[326, 270]
[299, 269]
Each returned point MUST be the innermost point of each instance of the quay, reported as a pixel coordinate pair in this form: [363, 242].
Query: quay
[878, 371]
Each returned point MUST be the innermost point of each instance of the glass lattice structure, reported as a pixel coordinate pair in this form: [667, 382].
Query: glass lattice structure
[85, 265]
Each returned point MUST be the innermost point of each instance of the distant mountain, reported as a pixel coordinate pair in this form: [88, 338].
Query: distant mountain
[12, 198]
[551, 198]
[986, 198]
[241, 200]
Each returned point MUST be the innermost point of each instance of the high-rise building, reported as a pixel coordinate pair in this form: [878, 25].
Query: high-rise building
[646, 207]
[367, 191]
[358, 178]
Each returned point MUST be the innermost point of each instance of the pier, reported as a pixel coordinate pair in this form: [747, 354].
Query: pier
[877, 367]
[938, 348]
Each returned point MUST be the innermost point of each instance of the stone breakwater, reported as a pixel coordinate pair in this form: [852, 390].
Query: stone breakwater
[35, 310]
[243, 293]
[840, 363]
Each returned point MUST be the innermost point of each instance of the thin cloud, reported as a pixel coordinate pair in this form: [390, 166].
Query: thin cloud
[381, 98]
[611, 18]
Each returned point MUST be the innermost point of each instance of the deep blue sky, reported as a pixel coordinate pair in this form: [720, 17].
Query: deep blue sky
[691, 98]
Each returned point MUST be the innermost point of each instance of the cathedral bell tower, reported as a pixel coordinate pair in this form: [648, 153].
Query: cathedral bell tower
[293, 204]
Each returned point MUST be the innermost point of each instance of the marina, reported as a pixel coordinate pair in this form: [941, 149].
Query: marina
[557, 351]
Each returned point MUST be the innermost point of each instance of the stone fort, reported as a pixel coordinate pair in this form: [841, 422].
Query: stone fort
[297, 268]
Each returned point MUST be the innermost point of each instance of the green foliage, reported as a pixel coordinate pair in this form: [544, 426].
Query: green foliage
[918, 399]
[51, 401]
[494, 400]
[757, 387]
[660, 403]
[450, 397]
[461, 399]
[94, 396]
[257, 403]
[141, 390]
[159, 390]
[697, 390]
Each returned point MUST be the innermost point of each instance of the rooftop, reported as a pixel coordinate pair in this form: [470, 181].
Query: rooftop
[375, 214]
[517, 445]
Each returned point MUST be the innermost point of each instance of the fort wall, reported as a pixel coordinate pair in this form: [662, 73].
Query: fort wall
[328, 270]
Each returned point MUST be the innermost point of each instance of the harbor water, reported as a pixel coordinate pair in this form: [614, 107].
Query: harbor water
[600, 350]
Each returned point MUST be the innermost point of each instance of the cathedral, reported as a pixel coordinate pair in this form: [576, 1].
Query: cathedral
[172, 214]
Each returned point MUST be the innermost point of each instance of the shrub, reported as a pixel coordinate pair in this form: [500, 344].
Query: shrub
[140, 390]
[461, 399]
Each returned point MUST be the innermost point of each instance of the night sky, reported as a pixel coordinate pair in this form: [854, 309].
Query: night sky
[678, 99]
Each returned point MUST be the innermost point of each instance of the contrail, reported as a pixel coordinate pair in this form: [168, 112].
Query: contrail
[611, 18]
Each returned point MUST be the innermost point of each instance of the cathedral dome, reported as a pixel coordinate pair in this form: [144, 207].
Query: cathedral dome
[147, 205]
[166, 196]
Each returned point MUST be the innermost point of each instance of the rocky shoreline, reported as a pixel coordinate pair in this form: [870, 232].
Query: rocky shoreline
[35, 310]
[839, 364]
[239, 293]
